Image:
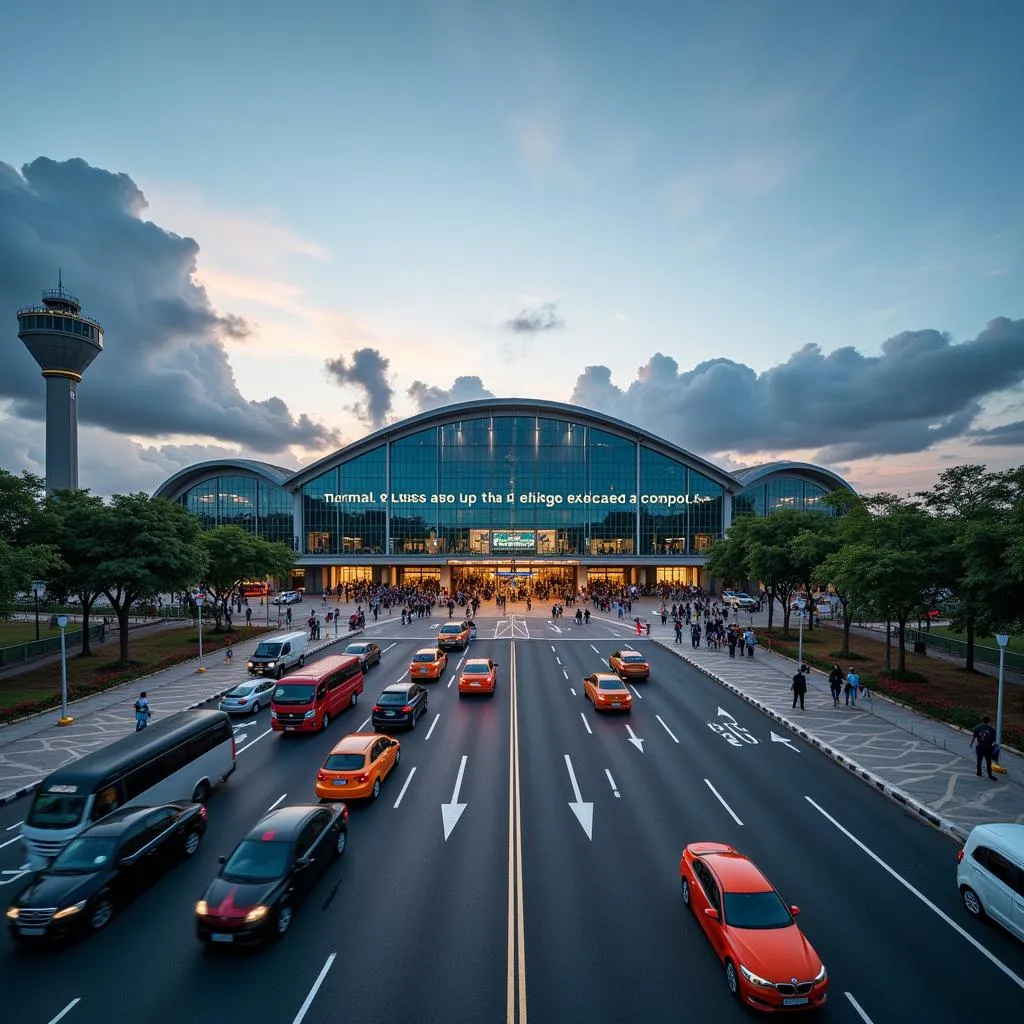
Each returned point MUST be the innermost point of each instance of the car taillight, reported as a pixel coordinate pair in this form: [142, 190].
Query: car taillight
[362, 776]
[377, 709]
[959, 855]
[406, 709]
[202, 812]
[321, 776]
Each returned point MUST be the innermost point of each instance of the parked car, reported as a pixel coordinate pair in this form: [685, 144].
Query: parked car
[990, 875]
[248, 698]
[287, 597]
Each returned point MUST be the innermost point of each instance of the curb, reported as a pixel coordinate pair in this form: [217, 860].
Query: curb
[908, 803]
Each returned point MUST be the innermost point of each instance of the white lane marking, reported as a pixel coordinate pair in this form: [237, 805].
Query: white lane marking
[11, 828]
[586, 723]
[572, 691]
[666, 728]
[367, 722]
[9, 841]
[251, 742]
[594, 649]
[552, 647]
[408, 779]
[402, 676]
[304, 1009]
[67, 1009]
[276, 802]
[558, 659]
[452, 680]
[386, 649]
[853, 1002]
[920, 895]
[611, 782]
[636, 691]
[461, 660]
[431, 729]
[723, 803]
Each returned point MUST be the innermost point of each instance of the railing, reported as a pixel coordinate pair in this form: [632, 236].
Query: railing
[26, 609]
[20, 653]
[990, 655]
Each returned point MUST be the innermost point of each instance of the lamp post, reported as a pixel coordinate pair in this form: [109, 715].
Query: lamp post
[199, 597]
[800, 605]
[38, 589]
[1002, 639]
[65, 718]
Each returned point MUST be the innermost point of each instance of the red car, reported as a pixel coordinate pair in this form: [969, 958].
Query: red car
[769, 964]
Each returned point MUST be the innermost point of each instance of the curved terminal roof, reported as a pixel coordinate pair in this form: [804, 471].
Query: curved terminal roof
[174, 487]
[816, 474]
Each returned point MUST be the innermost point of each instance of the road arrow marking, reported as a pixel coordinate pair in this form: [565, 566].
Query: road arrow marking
[634, 739]
[776, 738]
[727, 714]
[584, 811]
[450, 813]
[242, 738]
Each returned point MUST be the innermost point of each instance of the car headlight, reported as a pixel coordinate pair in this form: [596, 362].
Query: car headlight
[755, 979]
[309, 714]
[12, 913]
[256, 914]
[70, 911]
[250, 664]
[820, 976]
[271, 664]
[202, 910]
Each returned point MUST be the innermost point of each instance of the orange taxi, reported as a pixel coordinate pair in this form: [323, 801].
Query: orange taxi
[768, 962]
[607, 692]
[428, 663]
[629, 665]
[357, 766]
[478, 676]
[454, 635]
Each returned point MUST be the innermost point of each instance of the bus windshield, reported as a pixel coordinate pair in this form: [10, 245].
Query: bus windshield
[294, 694]
[56, 810]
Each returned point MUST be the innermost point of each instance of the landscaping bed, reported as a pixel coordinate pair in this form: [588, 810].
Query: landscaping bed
[939, 689]
[25, 693]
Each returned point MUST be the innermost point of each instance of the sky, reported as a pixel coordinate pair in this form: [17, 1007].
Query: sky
[759, 230]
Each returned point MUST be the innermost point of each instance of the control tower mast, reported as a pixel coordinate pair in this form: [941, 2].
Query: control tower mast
[63, 341]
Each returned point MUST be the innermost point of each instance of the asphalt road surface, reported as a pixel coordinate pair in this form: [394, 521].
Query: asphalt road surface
[532, 908]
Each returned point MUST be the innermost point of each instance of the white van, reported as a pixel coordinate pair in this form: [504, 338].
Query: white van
[990, 875]
[276, 654]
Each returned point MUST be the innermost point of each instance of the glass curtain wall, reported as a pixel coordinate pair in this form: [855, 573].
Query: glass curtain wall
[252, 504]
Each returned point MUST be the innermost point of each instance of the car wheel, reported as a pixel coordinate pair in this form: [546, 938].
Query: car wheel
[192, 842]
[412, 719]
[732, 979]
[284, 920]
[375, 792]
[686, 894]
[255, 709]
[280, 672]
[325, 720]
[101, 913]
[972, 903]
[353, 699]
[341, 842]
[302, 660]
[398, 756]
[201, 792]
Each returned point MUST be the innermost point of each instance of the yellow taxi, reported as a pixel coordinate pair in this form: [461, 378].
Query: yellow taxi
[478, 676]
[607, 692]
[454, 635]
[428, 663]
[357, 766]
[629, 665]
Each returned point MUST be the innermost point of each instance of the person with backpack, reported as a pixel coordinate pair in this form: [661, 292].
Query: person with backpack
[983, 739]
[143, 713]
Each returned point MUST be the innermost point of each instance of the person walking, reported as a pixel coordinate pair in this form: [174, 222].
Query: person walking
[852, 686]
[799, 687]
[248, 616]
[983, 739]
[835, 684]
[733, 641]
[678, 624]
[695, 635]
[143, 713]
[749, 641]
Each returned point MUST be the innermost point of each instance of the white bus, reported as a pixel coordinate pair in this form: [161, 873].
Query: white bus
[179, 758]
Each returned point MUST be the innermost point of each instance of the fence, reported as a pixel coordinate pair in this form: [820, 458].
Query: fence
[1014, 659]
[21, 653]
[26, 609]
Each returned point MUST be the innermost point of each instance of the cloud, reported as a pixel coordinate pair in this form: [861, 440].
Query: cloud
[533, 321]
[922, 389]
[463, 389]
[1007, 434]
[367, 371]
[164, 370]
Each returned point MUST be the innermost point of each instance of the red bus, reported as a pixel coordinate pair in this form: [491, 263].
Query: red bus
[258, 589]
[307, 700]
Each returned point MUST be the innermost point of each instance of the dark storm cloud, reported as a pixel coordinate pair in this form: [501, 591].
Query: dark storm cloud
[921, 389]
[463, 389]
[367, 371]
[1009, 434]
[534, 321]
[164, 369]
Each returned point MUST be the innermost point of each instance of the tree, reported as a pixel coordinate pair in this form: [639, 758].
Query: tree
[817, 539]
[771, 559]
[27, 531]
[144, 546]
[727, 558]
[235, 555]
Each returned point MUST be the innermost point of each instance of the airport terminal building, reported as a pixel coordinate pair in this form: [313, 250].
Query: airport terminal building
[514, 491]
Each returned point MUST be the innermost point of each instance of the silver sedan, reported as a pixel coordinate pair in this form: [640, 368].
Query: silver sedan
[249, 697]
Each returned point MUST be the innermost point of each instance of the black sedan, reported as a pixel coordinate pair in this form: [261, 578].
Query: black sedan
[399, 704]
[104, 867]
[272, 870]
[368, 653]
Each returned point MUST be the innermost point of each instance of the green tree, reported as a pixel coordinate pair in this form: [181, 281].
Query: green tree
[727, 558]
[27, 534]
[817, 539]
[233, 556]
[771, 559]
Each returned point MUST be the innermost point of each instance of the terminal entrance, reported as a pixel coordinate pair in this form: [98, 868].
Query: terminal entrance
[515, 581]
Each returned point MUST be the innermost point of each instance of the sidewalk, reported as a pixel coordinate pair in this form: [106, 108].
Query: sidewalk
[926, 766]
[34, 747]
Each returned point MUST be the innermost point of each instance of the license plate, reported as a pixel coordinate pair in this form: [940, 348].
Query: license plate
[289, 728]
[390, 714]
[474, 683]
[796, 1001]
[33, 931]
[221, 937]
[341, 782]
[616, 704]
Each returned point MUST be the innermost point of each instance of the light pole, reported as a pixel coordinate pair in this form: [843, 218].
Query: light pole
[65, 718]
[199, 598]
[1002, 639]
[800, 605]
[38, 589]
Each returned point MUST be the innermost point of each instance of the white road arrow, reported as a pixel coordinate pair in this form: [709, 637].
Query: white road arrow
[241, 739]
[450, 813]
[727, 714]
[776, 738]
[584, 812]
[634, 739]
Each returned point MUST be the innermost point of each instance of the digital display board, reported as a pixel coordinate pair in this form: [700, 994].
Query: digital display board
[513, 541]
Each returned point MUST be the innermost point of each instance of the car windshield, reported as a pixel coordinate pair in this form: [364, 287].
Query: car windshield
[343, 762]
[294, 694]
[476, 668]
[268, 650]
[84, 855]
[355, 649]
[428, 657]
[451, 629]
[56, 810]
[242, 690]
[756, 910]
[257, 860]
[633, 659]
[611, 684]
[392, 698]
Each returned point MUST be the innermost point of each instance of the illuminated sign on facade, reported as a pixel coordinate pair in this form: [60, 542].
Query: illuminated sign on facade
[513, 540]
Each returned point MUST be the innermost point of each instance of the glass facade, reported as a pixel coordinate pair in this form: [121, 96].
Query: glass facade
[779, 492]
[235, 500]
[66, 324]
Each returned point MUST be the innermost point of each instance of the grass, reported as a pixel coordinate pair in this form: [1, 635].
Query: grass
[939, 689]
[1016, 642]
[148, 650]
[19, 632]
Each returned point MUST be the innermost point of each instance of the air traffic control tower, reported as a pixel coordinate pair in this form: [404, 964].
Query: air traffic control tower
[63, 342]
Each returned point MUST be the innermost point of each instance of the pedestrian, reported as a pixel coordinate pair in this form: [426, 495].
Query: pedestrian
[248, 616]
[639, 627]
[733, 641]
[143, 713]
[799, 687]
[835, 684]
[852, 685]
[983, 739]
[749, 641]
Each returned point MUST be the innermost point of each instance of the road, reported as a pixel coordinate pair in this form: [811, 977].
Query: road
[531, 909]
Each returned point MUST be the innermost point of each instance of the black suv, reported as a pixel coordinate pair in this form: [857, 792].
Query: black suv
[399, 704]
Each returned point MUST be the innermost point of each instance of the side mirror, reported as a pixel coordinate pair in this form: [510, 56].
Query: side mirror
[302, 863]
[794, 910]
[711, 912]
[222, 860]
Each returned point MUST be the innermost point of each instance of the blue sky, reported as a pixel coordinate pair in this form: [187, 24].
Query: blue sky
[734, 180]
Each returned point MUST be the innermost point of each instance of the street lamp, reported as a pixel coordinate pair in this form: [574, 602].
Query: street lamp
[800, 605]
[65, 718]
[38, 589]
[199, 598]
[1002, 639]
